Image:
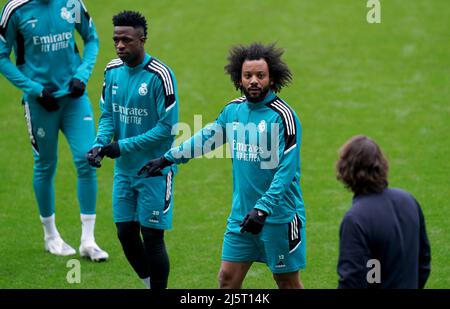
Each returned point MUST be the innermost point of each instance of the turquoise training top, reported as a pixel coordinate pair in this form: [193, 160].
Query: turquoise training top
[41, 33]
[139, 109]
[264, 140]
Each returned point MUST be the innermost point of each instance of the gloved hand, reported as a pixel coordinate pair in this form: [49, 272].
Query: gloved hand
[154, 167]
[47, 100]
[94, 157]
[111, 150]
[254, 221]
[76, 88]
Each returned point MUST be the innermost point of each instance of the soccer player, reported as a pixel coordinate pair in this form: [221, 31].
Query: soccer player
[267, 220]
[383, 240]
[53, 77]
[138, 110]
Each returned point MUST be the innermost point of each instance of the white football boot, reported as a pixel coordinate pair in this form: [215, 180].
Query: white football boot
[92, 251]
[57, 246]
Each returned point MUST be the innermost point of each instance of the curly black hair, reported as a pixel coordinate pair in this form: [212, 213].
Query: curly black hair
[279, 72]
[131, 19]
[362, 167]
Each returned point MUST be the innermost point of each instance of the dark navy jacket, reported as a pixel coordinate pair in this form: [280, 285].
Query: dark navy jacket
[390, 227]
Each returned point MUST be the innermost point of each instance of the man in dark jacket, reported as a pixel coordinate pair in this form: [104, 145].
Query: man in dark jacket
[383, 240]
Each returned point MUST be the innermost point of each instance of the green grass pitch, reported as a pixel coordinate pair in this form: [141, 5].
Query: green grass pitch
[390, 81]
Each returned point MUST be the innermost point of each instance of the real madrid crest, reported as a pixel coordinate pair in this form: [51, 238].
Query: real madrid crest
[65, 14]
[71, 12]
[143, 89]
[41, 133]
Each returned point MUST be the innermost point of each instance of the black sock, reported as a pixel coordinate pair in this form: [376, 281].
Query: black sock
[130, 238]
[158, 260]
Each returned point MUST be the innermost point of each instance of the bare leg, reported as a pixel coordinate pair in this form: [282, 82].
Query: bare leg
[288, 280]
[232, 274]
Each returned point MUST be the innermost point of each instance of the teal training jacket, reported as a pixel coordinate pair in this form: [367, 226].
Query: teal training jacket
[139, 110]
[264, 140]
[42, 35]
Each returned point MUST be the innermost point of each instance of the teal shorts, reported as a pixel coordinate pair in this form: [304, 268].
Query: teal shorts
[145, 200]
[281, 246]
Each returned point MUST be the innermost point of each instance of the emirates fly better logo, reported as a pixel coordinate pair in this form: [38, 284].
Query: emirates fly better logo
[250, 142]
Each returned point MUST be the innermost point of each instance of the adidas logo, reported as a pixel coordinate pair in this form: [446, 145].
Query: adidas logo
[280, 264]
[114, 88]
[153, 219]
[33, 22]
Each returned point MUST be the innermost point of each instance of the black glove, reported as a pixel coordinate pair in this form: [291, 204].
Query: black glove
[253, 221]
[94, 157]
[47, 100]
[111, 150]
[154, 167]
[76, 88]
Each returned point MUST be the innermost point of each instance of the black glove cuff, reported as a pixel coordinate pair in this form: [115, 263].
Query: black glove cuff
[165, 162]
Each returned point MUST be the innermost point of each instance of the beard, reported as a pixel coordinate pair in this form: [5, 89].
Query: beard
[257, 96]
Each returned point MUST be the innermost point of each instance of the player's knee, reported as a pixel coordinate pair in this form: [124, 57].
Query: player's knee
[284, 284]
[152, 237]
[226, 279]
[84, 170]
[152, 234]
[127, 230]
[287, 281]
[46, 168]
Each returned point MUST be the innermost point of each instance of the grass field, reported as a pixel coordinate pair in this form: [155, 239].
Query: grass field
[390, 81]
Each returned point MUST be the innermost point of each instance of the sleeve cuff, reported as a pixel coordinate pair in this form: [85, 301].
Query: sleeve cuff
[261, 207]
[121, 147]
[36, 90]
[83, 79]
[168, 156]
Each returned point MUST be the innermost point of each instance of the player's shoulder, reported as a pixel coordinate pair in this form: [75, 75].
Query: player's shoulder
[278, 105]
[235, 102]
[10, 8]
[282, 109]
[114, 64]
[283, 114]
[155, 65]
[13, 5]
